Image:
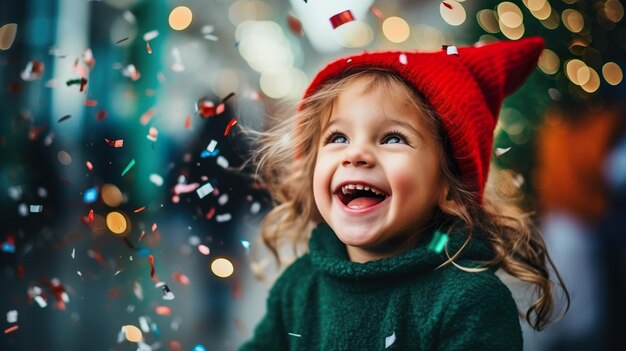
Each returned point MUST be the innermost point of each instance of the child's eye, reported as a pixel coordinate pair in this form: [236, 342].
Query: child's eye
[335, 138]
[395, 137]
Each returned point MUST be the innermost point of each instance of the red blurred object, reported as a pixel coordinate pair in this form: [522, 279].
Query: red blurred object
[206, 108]
[341, 18]
[294, 25]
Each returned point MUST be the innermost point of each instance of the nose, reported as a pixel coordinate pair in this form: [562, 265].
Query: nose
[358, 156]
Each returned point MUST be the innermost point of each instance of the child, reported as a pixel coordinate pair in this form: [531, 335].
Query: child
[387, 160]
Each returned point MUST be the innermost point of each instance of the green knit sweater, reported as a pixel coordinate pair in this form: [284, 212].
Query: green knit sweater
[323, 301]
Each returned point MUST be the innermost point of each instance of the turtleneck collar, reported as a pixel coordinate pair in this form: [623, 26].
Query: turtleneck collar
[329, 256]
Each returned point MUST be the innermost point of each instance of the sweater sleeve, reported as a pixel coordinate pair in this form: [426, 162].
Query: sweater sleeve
[270, 333]
[481, 316]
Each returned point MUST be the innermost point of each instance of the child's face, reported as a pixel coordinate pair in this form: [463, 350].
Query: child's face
[367, 149]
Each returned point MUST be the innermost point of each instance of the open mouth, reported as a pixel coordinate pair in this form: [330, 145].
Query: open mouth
[357, 196]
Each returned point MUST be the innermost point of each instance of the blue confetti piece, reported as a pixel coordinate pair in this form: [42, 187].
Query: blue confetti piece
[206, 153]
[8, 247]
[199, 347]
[438, 242]
[91, 195]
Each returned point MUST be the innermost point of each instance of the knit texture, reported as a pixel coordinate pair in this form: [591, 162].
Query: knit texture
[465, 90]
[323, 301]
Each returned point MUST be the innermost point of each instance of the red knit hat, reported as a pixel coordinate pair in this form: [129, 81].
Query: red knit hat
[466, 91]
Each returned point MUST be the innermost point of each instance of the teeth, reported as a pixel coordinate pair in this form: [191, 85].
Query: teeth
[349, 188]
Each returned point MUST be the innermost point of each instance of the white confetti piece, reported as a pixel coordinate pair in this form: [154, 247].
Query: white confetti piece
[223, 199]
[403, 59]
[390, 340]
[211, 146]
[223, 217]
[143, 324]
[245, 244]
[501, 151]
[296, 335]
[79, 273]
[451, 50]
[22, 209]
[518, 181]
[254, 209]
[138, 291]
[73, 253]
[168, 295]
[12, 316]
[150, 35]
[36, 208]
[204, 250]
[222, 161]
[40, 301]
[204, 190]
[118, 272]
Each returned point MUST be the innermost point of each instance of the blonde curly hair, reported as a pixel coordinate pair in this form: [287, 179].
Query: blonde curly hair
[517, 244]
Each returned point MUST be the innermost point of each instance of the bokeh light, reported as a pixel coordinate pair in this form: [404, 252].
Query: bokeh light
[116, 222]
[396, 29]
[488, 21]
[549, 62]
[612, 73]
[222, 268]
[180, 17]
[571, 69]
[455, 15]
[573, 20]
[593, 82]
[132, 333]
[111, 195]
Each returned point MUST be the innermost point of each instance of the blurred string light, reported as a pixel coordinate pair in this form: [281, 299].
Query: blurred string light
[180, 18]
[222, 268]
[116, 222]
[266, 49]
[396, 29]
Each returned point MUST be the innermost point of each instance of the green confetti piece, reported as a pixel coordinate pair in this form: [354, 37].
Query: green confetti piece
[130, 165]
[438, 242]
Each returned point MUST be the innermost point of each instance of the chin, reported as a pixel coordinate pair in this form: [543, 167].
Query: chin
[356, 235]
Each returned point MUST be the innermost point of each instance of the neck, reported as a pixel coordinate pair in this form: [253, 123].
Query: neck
[366, 254]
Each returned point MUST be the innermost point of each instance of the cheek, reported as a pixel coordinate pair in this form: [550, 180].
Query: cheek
[321, 181]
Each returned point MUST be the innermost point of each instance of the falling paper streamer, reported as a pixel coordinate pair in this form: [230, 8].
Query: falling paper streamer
[130, 165]
[390, 340]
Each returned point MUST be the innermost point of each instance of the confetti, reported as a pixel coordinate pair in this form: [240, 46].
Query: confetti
[450, 50]
[7, 35]
[186, 188]
[102, 114]
[130, 165]
[151, 259]
[40, 301]
[447, 5]
[222, 161]
[341, 18]
[64, 118]
[204, 190]
[140, 209]
[438, 242]
[148, 36]
[11, 329]
[205, 153]
[33, 71]
[154, 227]
[88, 58]
[390, 340]
[36, 208]
[296, 335]
[91, 103]
[73, 253]
[90, 216]
[163, 310]
[205, 108]
[374, 10]
[232, 122]
[199, 347]
[79, 273]
[177, 66]
[115, 143]
[246, 245]
[210, 214]
[156, 179]
[12, 316]
[255, 207]
[204, 250]
[121, 40]
[152, 134]
[188, 122]
[223, 217]
[403, 59]
[223, 199]
[501, 151]
[89, 165]
[181, 278]
[132, 333]
[207, 32]
[131, 72]
[147, 116]
[138, 291]
[148, 48]
[91, 195]
[167, 293]
[212, 145]
[294, 25]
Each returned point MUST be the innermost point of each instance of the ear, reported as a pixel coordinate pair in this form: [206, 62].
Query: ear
[446, 203]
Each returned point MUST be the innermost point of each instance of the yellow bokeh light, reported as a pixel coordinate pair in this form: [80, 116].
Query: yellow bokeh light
[132, 333]
[612, 73]
[116, 222]
[593, 83]
[111, 195]
[535, 5]
[453, 16]
[573, 20]
[571, 69]
[396, 29]
[544, 12]
[512, 33]
[180, 18]
[552, 22]
[222, 268]
[354, 34]
[488, 21]
[583, 75]
[613, 10]
[549, 62]
[510, 15]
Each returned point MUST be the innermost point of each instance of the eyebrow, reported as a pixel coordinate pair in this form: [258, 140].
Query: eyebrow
[392, 121]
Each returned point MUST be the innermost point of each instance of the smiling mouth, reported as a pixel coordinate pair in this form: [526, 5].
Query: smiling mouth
[359, 198]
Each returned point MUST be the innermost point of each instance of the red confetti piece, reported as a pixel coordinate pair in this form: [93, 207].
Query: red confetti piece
[147, 116]
[90, 216]
[163, 310]
[181, 278]
[83, 82]
[211, 213]
[89, 165]
[11, 329]
[377, 13]
[148, 48]
[140, 209]
[447, 5]
[154, 227]
[294, 25]
[206, 108]
[102, 114]
[91, 103]
[151, 258]
[341, 18]
[115, 143]
[220, 108]
[188, 122]
[230, 125]
[121, 40]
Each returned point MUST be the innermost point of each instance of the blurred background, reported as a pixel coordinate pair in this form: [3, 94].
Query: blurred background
[123, 225]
